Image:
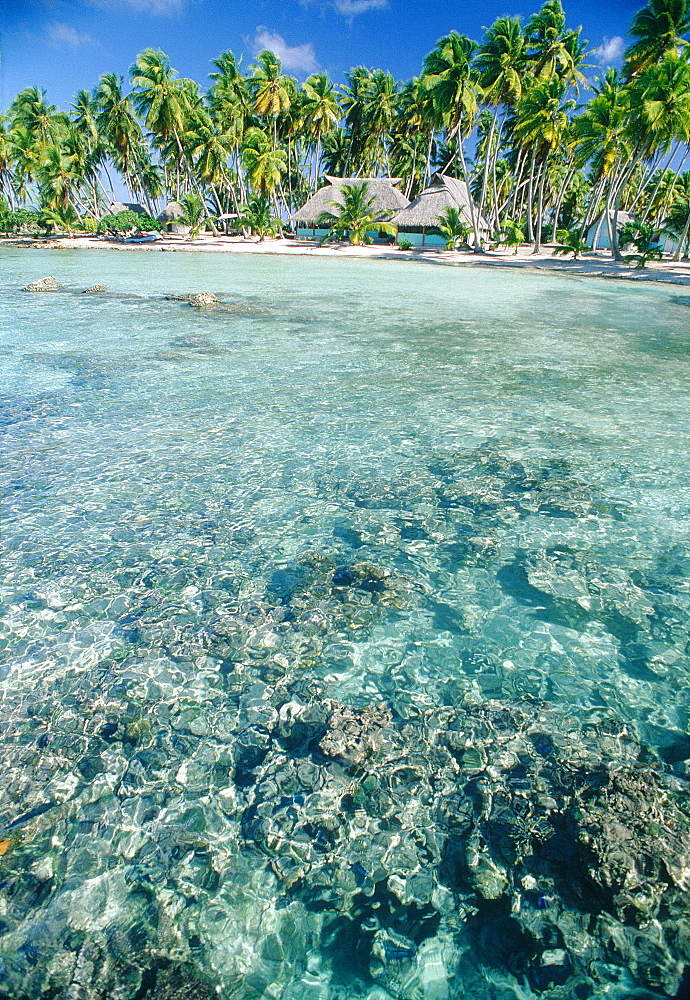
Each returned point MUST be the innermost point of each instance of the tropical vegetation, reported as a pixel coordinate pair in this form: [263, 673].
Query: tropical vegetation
[511, 114]
[354, 217]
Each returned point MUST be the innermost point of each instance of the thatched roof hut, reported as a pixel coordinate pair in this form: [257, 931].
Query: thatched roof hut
[387, 198]
[172, 212]
[443, 192]
[121, 206]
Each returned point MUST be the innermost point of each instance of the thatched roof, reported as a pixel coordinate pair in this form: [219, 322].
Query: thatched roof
[387, 198]
[121, 206]
[443, 192]
[172, 211]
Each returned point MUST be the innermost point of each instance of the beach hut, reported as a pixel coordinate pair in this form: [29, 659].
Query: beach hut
[121, 206]
[171, 216]
[387, 200]
[422, 214]
[597, 237]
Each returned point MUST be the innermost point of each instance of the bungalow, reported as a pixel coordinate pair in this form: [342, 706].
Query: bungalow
[420, 218]
[598, 237]
[387, 200]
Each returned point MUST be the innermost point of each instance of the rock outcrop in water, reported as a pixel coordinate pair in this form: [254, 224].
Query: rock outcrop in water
[508, 837]
[203, 299]
[49, 284]
[95, 289]
[197, 299]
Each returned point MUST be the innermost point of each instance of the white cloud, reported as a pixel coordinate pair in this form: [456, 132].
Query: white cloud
[352, 7]
[610, 51]
[297, 57]
[165, 8]
[60, 35]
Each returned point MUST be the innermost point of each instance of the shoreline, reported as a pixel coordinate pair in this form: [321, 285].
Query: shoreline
[595, 265]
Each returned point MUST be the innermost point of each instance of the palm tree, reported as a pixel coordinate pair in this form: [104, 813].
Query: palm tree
[209, 149]
[256, 217]
[553, 51]
[6, 163]
[320, 113]
[161, 99]
[355, 218]
[571, 241]
[265, 165]
[512, 235]
[61, 174]
[677, 221]
[412, 144]
[230, 106]
[354, 103]
[659, 113]
[336, 152]
[454, 94]
[271, 90]
[379, 116]
[194, 213]
[501, 63]
[453, 229]
[659, 28]
[541, 120]
[43, 121]
[117, 124]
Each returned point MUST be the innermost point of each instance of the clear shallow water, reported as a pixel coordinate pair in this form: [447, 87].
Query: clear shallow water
[360, 483]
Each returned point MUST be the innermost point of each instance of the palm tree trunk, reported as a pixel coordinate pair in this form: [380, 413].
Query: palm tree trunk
[487, 158]
[672, 187]
[662, 171]
[427, 167]
[517, 183]
[540, 203]
[683, 238]
[561, 196]
[494, 184]
[591, 213]
[478, 248]
[613, 224]
[530, 198]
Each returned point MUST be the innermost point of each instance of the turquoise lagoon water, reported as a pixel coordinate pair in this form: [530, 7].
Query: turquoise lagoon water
[358, 483]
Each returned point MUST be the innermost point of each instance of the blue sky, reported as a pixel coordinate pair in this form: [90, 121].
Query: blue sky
[65, 45]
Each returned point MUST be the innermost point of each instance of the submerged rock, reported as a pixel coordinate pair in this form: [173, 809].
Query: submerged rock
[49, 284]
[554, 826]
[203, 299]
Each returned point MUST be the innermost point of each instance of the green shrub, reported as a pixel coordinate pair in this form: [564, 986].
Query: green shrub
[88, 225]
[19, 220]
[404, 245]
[126, 221]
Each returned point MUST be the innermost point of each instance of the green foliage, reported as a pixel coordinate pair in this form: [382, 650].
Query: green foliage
[570, 241]
[511, 235]
[88, 225]
[644, 238]
[256, 217]
[356, 217]
[54, 219]
[126, 222]
[20, 220]
[195, 213]
[404, 245]
[453, 230]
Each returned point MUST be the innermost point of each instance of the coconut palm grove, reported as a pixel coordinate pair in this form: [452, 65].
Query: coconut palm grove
[511, 114]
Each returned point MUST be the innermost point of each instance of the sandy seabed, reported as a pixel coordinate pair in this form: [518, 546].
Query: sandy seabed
[598, 264]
